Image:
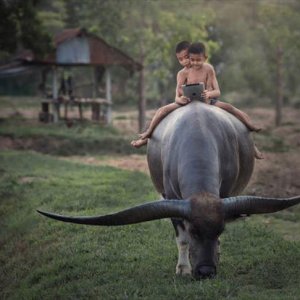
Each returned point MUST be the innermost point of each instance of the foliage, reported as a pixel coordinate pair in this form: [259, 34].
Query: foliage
[52, 14]
[21, 28]
[240, 36]
[148, 31]
[42, 258]
[279, 28]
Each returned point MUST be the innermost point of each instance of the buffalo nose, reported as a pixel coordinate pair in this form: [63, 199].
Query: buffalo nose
[203, 272]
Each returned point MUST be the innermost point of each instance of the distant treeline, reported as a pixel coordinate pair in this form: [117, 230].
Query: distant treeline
[253, 45]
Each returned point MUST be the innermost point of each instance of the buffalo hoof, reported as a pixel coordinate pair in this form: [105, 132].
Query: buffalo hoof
[183, 270]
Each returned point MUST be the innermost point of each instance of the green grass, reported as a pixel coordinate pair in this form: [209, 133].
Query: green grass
[45, 259]
[16, 103]
[83, 137]
[80, 139]
[270, 142]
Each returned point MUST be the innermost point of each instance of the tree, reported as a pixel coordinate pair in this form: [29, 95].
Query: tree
[239, 63]
[279, 26]
[152, 31]
[52, 14]
[148, 31]
[21, 28]
[8, 30]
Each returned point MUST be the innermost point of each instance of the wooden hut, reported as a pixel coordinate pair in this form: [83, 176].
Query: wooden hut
[75, 48]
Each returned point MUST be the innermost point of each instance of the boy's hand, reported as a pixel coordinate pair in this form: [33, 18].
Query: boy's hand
[182, 100]
[206, 95]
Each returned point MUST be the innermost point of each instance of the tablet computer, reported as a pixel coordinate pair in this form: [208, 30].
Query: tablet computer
[194, 91]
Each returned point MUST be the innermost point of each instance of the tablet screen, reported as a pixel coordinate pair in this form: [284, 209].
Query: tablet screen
[194, 91]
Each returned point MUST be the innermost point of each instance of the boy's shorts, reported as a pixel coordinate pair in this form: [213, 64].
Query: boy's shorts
[213, 101]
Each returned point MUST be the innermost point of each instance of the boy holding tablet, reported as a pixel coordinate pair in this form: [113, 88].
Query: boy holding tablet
[197, 70]
[182, 55]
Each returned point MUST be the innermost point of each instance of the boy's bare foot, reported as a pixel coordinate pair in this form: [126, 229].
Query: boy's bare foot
[145, 135]
[254, 128]
[139, 143]
[258, 154]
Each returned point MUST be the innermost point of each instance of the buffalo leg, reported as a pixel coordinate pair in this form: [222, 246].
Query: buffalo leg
[182, 239]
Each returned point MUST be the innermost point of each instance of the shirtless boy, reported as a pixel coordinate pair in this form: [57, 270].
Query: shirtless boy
[182, 55]
[197, 71]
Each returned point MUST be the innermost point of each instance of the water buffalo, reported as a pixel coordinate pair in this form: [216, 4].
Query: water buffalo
[200, 158]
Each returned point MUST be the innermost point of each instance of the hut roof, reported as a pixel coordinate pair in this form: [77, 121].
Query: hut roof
[68, 34]
[100, 52]
[77, 47]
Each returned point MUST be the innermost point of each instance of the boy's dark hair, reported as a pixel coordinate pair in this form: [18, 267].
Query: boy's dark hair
[197, 48]
[182, 46]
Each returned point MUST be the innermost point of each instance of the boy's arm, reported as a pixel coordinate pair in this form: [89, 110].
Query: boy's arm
[179, 98]
[213, 90]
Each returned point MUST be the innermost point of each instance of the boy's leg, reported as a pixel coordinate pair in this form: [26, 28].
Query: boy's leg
[139, 143]
[257, 153]
[242, 116]
[159, 115]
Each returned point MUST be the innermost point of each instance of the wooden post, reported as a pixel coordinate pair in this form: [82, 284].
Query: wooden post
[94, 83]
[142, 102]
[44, 115]
[279, 85]
[142, 99]
[95, 111]
[80, 111]
[108, 96]
[55, 95]
[95, 107]
[66, 109]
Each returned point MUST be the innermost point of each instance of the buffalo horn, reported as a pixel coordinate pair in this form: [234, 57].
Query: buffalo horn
[246, 205]
[142, 213]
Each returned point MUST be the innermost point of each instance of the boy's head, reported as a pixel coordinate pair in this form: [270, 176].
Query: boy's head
[182, 53]
[197, 54]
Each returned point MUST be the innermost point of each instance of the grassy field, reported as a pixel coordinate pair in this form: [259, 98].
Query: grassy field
[65, 170]
[57, 139]
[45, 259]
[19, 126]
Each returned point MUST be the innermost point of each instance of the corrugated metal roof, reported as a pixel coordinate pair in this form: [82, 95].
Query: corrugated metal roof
[101, 53]
[14, 69]
[68, 34]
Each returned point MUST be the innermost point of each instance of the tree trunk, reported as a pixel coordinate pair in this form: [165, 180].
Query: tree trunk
[279, 85]
[55, 103]
[142, 99]
[108, 96]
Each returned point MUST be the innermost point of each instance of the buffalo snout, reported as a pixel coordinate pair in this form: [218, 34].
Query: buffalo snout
[204, 272]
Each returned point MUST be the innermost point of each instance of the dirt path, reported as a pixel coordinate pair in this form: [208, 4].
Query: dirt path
[129, 162]
[277, 175]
